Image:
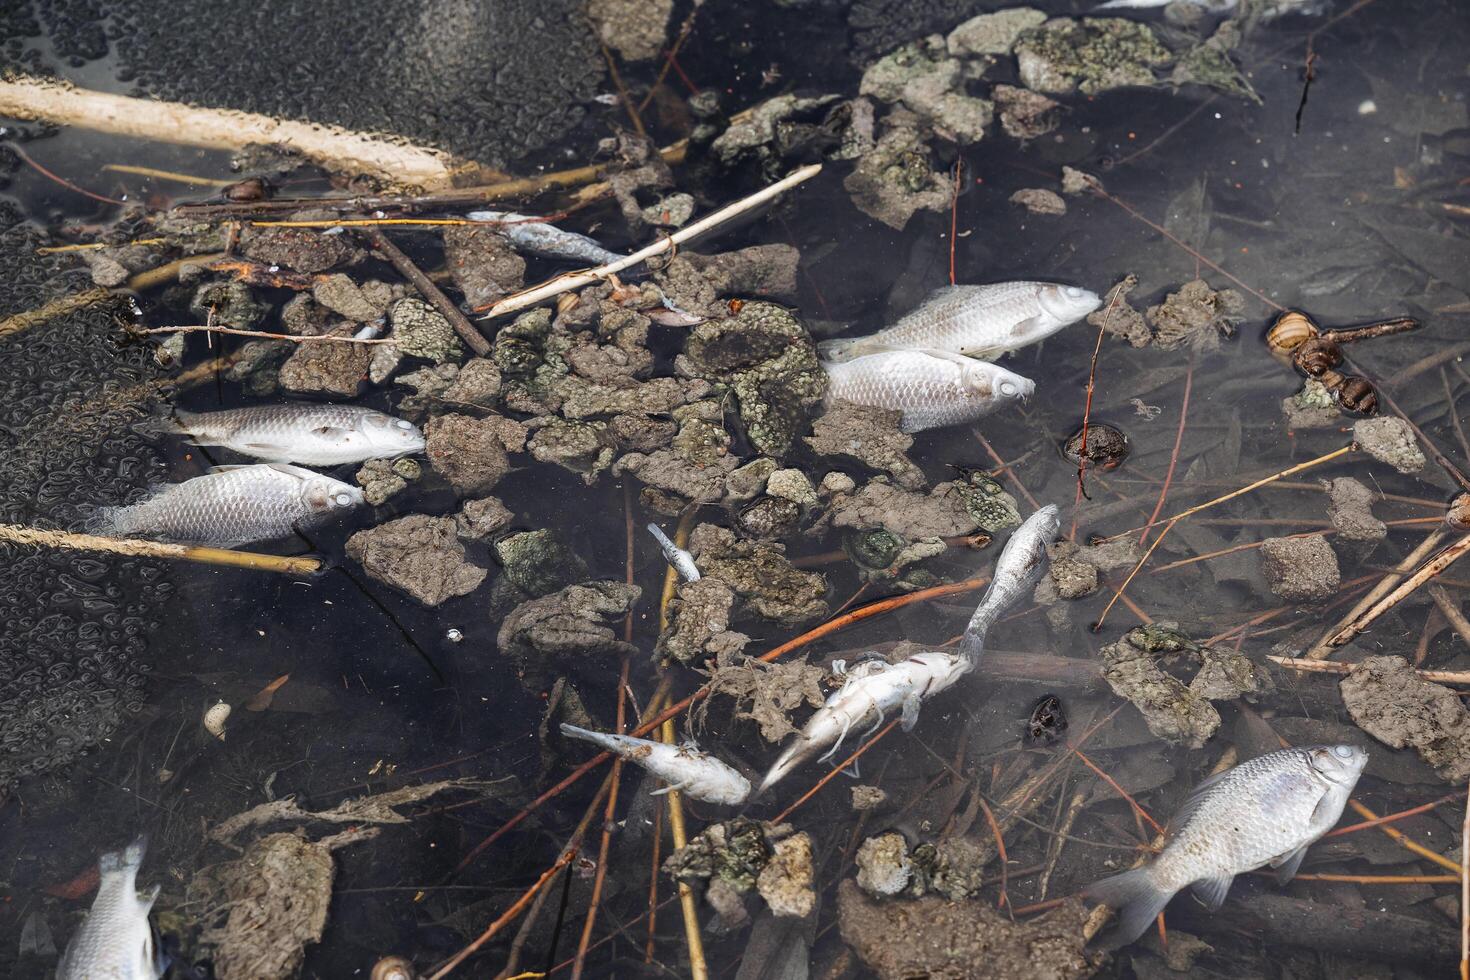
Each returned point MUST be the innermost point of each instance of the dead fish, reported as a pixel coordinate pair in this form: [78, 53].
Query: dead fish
[682, 560]
[527, 234]
[116, 941]
[931, 388]
[871, 690]
[311, 433]
[1017, 570]
[977, 321]
[1265, 811]
[1268, 10]
[683, 767]
[231, 505]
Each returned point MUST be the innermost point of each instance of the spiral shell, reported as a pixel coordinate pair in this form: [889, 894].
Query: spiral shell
[1291, 329]
[1458, 514]
[1356, 395]
[393, 968]
[1316, 356]
[215, 718]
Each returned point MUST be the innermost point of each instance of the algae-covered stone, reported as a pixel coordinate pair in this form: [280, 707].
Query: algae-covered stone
[478, 519]
[786, 881]
[539, 562]
[419, 330]
[586, 448]
[987, 503]
[419, 555]
[1301, 569]
[341, 295]
[760, 574]
[868, 434]
[735, 851]
[1172, 711]
[228, 304]
[993, 33]
[471, 452]
[1092, 55]
[379, 481]
[896, 178]
[699, 623]
[574, 620]
[770, 518]
[792, 485]
[925, 78]
[883, 864]
[1390, 440]
[765, 357]
[1208, 63]
[749, 481]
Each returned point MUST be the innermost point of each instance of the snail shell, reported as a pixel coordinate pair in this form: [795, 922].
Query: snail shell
[1316, 356]
[1291, 329]
[1458, 514]
[215, 718]
[392, 968]
[1356, 395]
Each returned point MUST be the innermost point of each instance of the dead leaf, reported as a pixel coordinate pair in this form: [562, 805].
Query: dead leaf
[262, 698]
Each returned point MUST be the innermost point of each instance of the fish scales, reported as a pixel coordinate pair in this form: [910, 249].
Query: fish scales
[930, 389]
[1017, 570]
[318, 434]
[234, 505]
[116, 940]
[526, 234]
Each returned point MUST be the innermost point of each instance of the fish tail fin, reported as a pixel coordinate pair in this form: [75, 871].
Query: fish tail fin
[837, 351]
[107, 522]
[586, 735]
[129, 858]
[972, 645]
[797, 753]
[1136, 898]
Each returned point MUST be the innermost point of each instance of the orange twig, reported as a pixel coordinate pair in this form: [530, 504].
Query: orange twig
[1000, 851]
[505, 918]
[1377, 821]
[778, 818]
[1173, 456]
[1087, 412]
[954, 215]
[1118, 789]
[1006, 468]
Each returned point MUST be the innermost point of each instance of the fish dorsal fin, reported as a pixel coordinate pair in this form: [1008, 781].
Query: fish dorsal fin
[1212, 891]
[1193, 801]
[1286, 864]
[963, 360]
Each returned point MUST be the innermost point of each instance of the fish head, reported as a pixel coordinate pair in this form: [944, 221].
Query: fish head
[388, 436]
[1340, 764]
[1067, 304]
[324, 495]
[1003, 386]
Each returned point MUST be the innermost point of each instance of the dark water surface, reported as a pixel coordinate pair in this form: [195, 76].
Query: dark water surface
[1345, 219]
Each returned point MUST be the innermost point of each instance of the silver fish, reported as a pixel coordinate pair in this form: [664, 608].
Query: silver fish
[683, 767]
[1018, 568]
[930, 388]
[1265, 811]
[116, 942]
[1264, 10]
[872, 689]
[526, 234]
[311, 433]
[232, 505]
[682, 560]
[977, 321]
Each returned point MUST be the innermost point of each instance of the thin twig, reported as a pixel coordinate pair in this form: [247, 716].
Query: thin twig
[1333, 667]
[1087, 411]
[636, 119]
[835, 770]
[1008, 470]
[1173, 456]
[1390, 818]
[462, 326]
[1137, 808]
[1000, 849]
[261, 335]
[127, 168]
[15, 147]
[1447, 557]
[576, 280]
[1322, 649]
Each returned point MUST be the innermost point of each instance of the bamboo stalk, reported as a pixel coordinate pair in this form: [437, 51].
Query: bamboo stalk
[576, 280]
[39, 537]
[335, 148]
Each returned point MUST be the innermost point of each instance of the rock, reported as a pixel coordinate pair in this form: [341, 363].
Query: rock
[928, 81]
[539, 562]
[1075, 570]
[1172, 711]
[992, 33]
[959, 868]
[479, 519]
[1350, 507]
[669, 470]
[419, 330]
[1092, 55]
[760, 574]
[1225, 675]
[1388, 699]
[384, 362]
[1311, 408]
[766, 693]
[769, 519]
[470, 452]
[379, 481]
[1039, 201]
[586, 448]
[572, 621]
[302, 316]
[749, 481]
[477, 383]
[1208, 63]
[672, 211]
[1301, 569]
[428, 384]
[765, 357]
[792, 485]
[341, 295]
[1024, 114]
[895, 178]
[1118, 318]
[1073, 579]
[1389, 439]
[883, 864]
[899, 939]
[836, 483]
[277, 895]
[786, 881]
[699, 623]
[107, 271]
[735, 851]
[910, 514]
[582, 399]
[482, 264]
[327, 368]
[1076, 182]
[869, 435]
[865, 798]
[641, 433]
[1196, 315]
[694, 283]
[418, 555]
[764, 132]
[300, 249]
[228, 304]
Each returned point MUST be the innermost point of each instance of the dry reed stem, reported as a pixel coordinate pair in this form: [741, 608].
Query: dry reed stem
[1321, 650]
[94, 246]
[42, 538]
[1332, 667]
[1403, 839]
[173, 175]
[576, 280]
[1446, 557]
[261, 335]
[507, 916]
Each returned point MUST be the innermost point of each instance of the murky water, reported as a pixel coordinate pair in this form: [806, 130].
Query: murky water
[1359, 216]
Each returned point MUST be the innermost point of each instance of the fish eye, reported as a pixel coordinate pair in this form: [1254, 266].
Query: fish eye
[1343, 751]
[402, 424]
[1008, 388]
[342, 499]
[1073, 292]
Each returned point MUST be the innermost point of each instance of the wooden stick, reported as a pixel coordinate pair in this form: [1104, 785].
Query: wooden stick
[576, 280]
[1333, 667]
[326, 338]
[39, 537]
[1447, 557]
[334, 148]
[1450, 610]
[1321, 650]
[1465, 894]
[127, 168]
[473, 338]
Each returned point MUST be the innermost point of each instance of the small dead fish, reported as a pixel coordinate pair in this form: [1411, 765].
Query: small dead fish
[682, 560]
[1017, 570]
[232, 505]
[116, 941]
[1268, 10]
[977, 321]
[310, 433]
[931, 388]
[872, 689]
[1268, 810]
[694, 773]
[526, 234]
